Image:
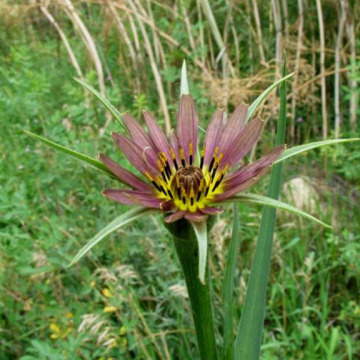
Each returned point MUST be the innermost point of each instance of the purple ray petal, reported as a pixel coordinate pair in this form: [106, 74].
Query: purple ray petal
[157, 135]
[174, 143]
[213, 135]
[233, 127]
[211, 210]
[138, 134]
[196, 216]
[124, 175]
[251, 170]
[243, 143]
[167, 205]
[175, 216]
[143, 160]
[241, 187]
[187, 125]
[131, 197]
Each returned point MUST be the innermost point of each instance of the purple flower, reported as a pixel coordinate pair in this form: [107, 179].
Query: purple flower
[176, 183]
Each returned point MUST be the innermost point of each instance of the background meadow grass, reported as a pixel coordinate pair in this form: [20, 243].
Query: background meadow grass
[127, 299]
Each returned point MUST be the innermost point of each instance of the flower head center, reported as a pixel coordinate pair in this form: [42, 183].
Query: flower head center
[188, 178]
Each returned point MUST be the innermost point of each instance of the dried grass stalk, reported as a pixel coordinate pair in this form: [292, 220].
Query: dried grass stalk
[322, 68]
[337, 75]
[296, 70]
[259, 32]
[123, 33]
[154, 67]
[350, 33]
[88, 41]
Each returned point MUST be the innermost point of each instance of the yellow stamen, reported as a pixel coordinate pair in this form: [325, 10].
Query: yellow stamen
[172, 154]
[163, 155]
[218, 160]
[183, 192]
[148, 176]
[182, 157]
[182, 154]
[192, 193]
[160, 165]
[201, 186]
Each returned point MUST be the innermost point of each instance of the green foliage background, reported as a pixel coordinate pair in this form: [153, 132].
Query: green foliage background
[126, 299]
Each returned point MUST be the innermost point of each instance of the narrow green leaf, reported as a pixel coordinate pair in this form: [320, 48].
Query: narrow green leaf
[201, 236]
[228, 288]
[267, 201]
[78, 156]
[305, 147]
[120, 221]
[254, 106]
[184, 89]
[248, 339]
[115, 112]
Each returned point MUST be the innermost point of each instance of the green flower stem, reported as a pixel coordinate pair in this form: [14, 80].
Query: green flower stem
[200, 295]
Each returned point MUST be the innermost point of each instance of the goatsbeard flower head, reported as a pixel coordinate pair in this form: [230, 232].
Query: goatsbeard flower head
[177, 181]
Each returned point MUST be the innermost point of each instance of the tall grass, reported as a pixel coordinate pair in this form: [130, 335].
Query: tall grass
[127, 298]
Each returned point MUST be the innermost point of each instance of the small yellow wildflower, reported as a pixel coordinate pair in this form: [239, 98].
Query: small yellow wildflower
[107, 293]
[108, 309]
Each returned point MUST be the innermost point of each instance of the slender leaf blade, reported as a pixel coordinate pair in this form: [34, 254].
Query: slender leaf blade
[115, 112]
[296, 150]
[268, 201]
[248, 339]
[261, 98]
[120, 221]
[228, 288]
[200, 230]
[96, 164]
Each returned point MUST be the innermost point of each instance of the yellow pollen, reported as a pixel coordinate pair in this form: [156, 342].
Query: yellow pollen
[148, 176]
[225, 169]
[203, 151]
[172, 154]
[160, 165]
[177, 181]
[183, 192]
[182, 154]
[218, 160]
[216, 151]
[190, 148]
[192, 193]
[201, 186]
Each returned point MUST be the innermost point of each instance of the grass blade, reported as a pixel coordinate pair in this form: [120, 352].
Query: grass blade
[228, 288]
[200, 230]
[268, 201]
[248, 339]
[120, 221]
[115, 112]
[253, 107]
[305, 147]
[96, 164]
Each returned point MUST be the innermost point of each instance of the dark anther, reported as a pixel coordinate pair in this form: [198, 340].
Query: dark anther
[156, 185]
[211, 164]
[170, 194]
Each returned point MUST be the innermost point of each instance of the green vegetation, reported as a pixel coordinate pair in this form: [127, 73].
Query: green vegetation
[126, 299]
